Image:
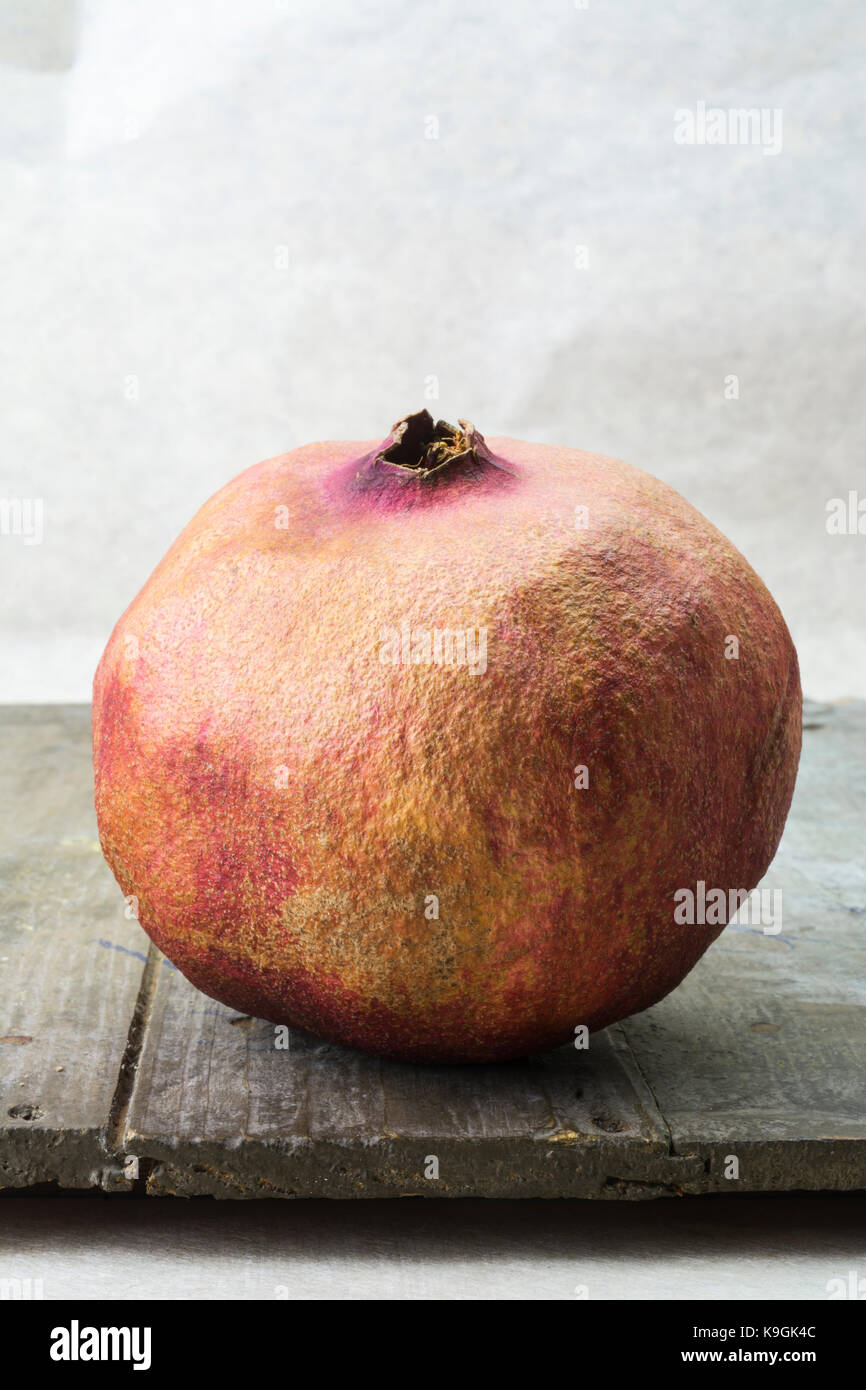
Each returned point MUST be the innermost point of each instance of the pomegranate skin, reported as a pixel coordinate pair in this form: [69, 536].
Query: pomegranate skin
[326, 829]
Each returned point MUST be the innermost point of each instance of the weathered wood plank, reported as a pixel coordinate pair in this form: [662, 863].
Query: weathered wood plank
[224, 1111]
[70, 962]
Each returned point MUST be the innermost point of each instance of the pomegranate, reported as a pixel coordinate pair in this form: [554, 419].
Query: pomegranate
[417, 744]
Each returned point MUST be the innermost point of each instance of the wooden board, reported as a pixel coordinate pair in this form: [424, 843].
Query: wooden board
[758, 1057]
[70, 961]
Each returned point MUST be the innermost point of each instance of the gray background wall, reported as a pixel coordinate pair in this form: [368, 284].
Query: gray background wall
[226, 232]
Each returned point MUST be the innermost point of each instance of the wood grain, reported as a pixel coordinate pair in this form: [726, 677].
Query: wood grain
[70, 960]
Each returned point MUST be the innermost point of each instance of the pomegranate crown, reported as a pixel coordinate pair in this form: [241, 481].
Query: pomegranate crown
[421, 446]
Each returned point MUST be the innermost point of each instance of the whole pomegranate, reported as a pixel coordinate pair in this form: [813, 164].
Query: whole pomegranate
[412, 744]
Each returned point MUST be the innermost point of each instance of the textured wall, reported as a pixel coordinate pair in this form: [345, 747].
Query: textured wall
[229, 230]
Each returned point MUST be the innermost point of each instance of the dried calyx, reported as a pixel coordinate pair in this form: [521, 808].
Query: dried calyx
[418, 445]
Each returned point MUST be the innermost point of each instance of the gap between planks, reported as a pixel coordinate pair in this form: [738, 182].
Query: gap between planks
[126, 1075]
